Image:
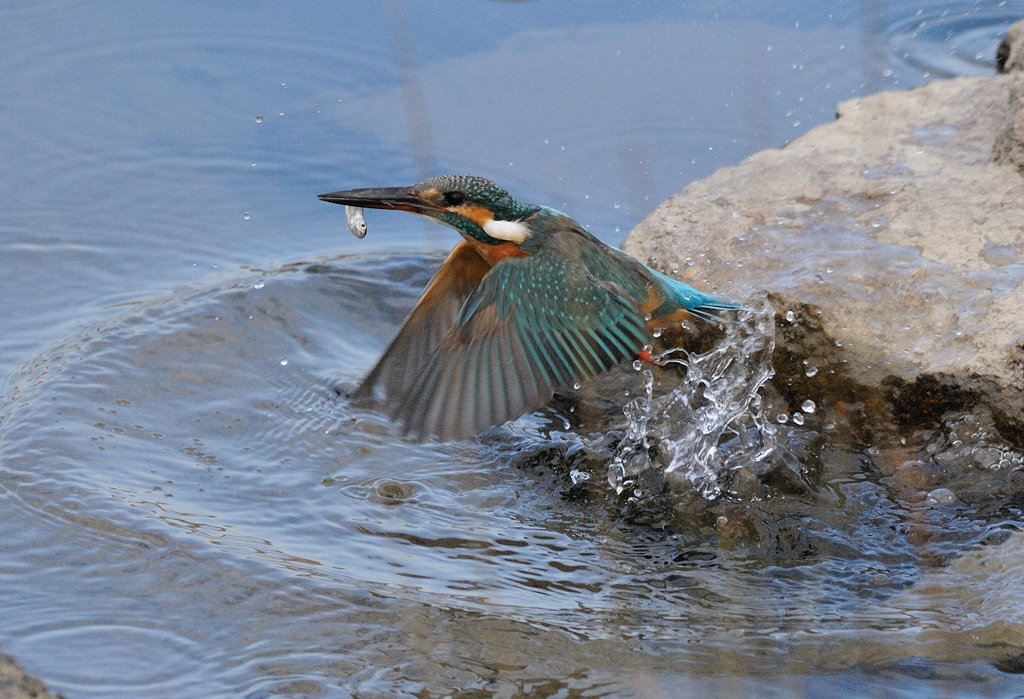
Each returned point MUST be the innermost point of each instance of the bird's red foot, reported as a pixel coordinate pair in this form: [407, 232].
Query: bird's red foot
[645, 355]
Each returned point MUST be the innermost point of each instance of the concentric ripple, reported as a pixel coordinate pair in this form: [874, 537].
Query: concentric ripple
[953, 42]
[208, 425]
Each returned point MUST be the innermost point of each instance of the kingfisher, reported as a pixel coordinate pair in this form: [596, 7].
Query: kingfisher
[527, 302]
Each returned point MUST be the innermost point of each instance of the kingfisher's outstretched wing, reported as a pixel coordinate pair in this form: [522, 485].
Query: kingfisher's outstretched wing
[532, 324]
[430, 320]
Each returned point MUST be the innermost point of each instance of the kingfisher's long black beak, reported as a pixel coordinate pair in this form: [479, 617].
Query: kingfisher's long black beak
[401, 198]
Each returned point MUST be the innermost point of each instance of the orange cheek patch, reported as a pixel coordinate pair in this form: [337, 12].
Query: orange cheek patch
[478, 214]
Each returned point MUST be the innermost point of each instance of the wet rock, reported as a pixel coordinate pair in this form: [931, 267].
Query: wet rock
[15, 684]
[996, 615]
[1010, 54]
[891, 243]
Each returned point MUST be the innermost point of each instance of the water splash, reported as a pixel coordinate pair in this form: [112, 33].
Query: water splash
[713, 420]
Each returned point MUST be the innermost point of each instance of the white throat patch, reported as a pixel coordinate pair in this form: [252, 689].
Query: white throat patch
[513, 231]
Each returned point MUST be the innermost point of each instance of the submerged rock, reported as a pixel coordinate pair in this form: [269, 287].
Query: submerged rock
[891, 243]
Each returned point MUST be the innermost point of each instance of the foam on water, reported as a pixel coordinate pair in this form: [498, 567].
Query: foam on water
[713, 421]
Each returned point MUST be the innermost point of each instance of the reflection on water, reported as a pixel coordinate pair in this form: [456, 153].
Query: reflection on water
[187, 506]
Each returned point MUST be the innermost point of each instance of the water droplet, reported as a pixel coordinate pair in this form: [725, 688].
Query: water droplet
[907, 326]
[246, 215]
[259, 285]
[284, 361]
[808, 406]
[839, 343]
[576, 386]
[259, 118]
[689, 262]
[616, 205]
[578, 477]
[790, 316]
[782, 418]
[798, 418]
[637, 365]
[722, 520]
[657, 332]
[828, 270]
[811, 371]
[942, 496]
[696, 449]
[648, 317]
[566, 425]
[818, 278]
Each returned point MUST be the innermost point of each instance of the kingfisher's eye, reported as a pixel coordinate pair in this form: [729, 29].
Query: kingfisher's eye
[454, 198]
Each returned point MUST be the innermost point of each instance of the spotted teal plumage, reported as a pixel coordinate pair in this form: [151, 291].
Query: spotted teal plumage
[529, 301]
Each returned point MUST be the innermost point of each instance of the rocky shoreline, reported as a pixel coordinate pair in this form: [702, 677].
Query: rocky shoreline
[890, 242]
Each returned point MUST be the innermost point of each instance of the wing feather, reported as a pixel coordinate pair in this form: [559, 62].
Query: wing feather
[524, 330]
[433, 317]
[485, 388]
[587, 349]
[472, 391]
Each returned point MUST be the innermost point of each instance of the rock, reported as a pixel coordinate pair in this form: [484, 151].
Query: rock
[15, 684]
[891, 243]
[1008, 148]
[1010, 54]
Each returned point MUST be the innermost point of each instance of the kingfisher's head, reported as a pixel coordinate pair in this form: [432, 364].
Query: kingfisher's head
[471, 205]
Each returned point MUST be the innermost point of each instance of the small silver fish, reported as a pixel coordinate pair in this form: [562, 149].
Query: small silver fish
[356, 222]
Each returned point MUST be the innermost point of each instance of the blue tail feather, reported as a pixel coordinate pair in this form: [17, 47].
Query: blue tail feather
[696, 302]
